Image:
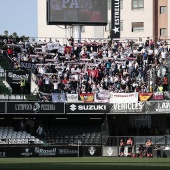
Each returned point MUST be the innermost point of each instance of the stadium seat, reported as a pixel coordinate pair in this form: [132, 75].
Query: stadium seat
[18, 97]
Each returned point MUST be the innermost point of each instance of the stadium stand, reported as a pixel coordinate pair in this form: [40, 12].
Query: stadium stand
[82, 69]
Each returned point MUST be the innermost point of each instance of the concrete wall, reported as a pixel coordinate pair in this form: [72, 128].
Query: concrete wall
[143, 15]
[162, 18]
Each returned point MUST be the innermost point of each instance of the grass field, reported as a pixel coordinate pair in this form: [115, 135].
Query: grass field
[103, 163]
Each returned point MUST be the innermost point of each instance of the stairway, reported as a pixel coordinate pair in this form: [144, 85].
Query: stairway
[4, 89]
[4, 64]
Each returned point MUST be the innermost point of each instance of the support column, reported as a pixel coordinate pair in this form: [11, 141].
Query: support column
[77, 33]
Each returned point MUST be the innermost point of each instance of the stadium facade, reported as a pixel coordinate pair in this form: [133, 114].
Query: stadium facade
[138, 18]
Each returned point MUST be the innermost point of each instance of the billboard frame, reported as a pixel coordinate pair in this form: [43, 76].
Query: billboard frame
[72, 23]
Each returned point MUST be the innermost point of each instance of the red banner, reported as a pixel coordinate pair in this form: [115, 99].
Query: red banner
[93, 73]
[87, 97]
[145, 96]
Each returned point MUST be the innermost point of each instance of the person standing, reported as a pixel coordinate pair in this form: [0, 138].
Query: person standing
[129, 144]
[39, 131]
[22, 125]
[122, 147]
[40, 84]
[22, 85]
[55, 86]
[165, 83]
[149, 148]
[47, 83]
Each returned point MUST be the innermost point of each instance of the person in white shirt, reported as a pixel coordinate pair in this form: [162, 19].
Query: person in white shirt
[110, 53]
[124, 45]
[20, 42]
[92, 56]
[47, 83]
[41, 69]
[143, 50]
[111, 80]
[50, 46]
[44, 48]
[55, 86]
[150, 56]
[163, 54]
[156, 53]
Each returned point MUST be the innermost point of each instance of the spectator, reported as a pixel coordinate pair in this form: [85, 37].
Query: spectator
[40, 131]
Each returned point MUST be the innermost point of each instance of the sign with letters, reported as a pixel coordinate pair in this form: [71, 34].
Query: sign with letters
[115, 18]
[26, 65]
[137, 107]
[158, 95]
[123, 97]
[39, 151]
[35, 108]
[85, 108]
[104, 108]
[161, 107]
[16, 76]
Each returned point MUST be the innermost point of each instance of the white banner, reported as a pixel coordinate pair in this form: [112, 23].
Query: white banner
[123, 97]
[72, 97]
[58, 97]
[102, 97]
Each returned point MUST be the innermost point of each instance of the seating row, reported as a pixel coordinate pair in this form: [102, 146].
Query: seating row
[12, 97]
[9, 136]
[21, 141]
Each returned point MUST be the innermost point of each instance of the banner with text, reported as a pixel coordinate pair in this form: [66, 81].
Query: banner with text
[158, 107]
[115, 18]
[35, 108]
[16, 76]
[40, 151]
[26, 65]
[158, 95]
[123, 97]
[103, 108]
[86, 108]
[130, 107]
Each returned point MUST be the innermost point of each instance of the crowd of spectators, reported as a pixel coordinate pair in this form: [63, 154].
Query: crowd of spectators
[91, 66]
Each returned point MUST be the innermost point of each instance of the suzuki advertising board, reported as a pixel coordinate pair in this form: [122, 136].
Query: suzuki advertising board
[86, 108]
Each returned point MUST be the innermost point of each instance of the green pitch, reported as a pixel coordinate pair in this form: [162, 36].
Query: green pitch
[102, 163]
